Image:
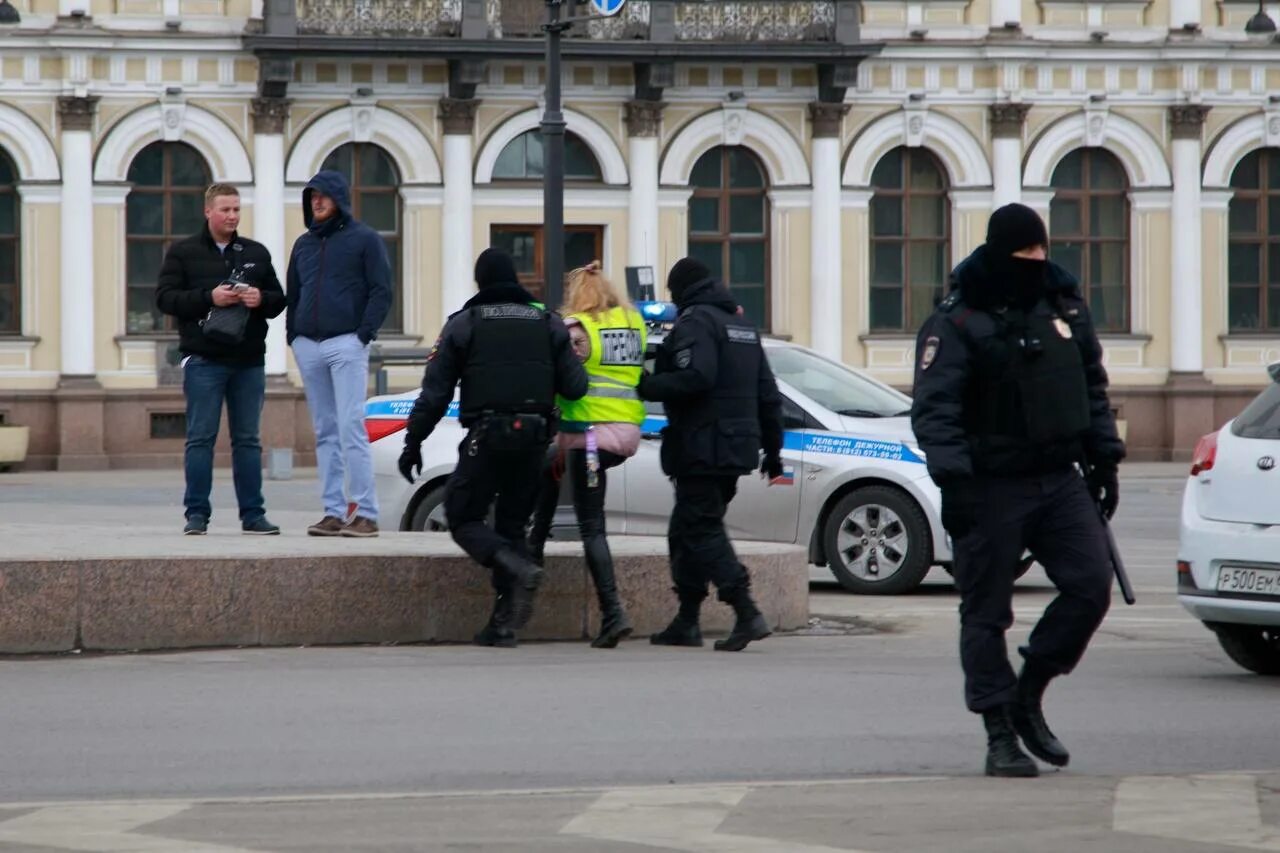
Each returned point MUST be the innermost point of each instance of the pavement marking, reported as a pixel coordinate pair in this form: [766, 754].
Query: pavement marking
[678, 819]
[103, 829]
[1219, 809]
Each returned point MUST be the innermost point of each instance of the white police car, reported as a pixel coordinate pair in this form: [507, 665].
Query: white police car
[855, 489]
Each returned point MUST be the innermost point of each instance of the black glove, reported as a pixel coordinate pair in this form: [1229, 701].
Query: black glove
[1104, 488]
[771, 467]
[410, 460]
[959, 507]
[641, 391]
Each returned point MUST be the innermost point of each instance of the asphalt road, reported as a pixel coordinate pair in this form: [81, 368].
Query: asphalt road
[849, 736]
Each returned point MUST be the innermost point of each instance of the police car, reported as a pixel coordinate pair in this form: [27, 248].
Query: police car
[854, 491]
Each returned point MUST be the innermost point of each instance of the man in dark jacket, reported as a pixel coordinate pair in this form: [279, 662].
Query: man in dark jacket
[339, 294]
[1010, 394]
[512, 358]
[722, 408]
[194, 279]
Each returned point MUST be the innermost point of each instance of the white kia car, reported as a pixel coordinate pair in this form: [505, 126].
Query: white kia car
[855, 492]
[1229, 547]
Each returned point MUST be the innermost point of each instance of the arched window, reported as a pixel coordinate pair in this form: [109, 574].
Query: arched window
[10, 283]
[729, 225]
[375, 201]
[522, 159]
[1253, 253]
[1089, 231]
[910, 239]
[165, 204]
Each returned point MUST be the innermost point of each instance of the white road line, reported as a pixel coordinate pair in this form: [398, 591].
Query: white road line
[103, 829]
[1212, 809]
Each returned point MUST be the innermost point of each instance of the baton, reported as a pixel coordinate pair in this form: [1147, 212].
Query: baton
[1113, 550]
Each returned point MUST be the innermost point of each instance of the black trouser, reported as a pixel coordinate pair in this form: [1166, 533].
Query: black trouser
[696, 539]
[1054, 516]
[588, 503]
[510, 476]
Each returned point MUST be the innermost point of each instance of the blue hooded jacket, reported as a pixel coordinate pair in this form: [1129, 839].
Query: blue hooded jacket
[339, 278]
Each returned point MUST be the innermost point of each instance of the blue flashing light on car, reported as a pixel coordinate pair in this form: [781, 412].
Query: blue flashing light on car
[657, 312]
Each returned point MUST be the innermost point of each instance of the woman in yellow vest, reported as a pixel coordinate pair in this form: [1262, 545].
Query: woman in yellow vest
[598, 432]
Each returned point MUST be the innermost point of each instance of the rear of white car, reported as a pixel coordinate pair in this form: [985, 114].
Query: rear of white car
[1229, 547]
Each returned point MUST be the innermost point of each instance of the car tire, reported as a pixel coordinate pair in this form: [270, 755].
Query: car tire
[857, 548]
[1254, 647]
[432, 504]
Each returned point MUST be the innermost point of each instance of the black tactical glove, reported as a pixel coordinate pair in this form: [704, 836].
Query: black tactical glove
[1104, 488]
[959, 507]
[771, 467]
[410, 460]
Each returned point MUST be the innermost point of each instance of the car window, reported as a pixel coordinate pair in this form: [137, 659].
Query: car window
[1261, 418]
[834, 386]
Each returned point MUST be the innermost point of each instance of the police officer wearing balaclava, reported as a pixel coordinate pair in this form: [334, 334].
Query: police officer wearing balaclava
[1010, 395]
[722, 408]
[512, 358]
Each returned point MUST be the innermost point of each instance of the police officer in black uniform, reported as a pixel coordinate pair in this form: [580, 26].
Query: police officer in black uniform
[1010, 396]
[722, 407]
[512, 358]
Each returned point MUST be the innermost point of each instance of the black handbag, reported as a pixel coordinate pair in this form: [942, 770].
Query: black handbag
[226, 324]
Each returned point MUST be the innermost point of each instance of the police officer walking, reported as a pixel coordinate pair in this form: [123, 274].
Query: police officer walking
[1010, 395]
[512, 358]
[722, 408]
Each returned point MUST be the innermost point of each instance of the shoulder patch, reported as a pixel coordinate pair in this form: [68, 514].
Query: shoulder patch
[684, 358]
[742, 334]
[951, 300]
[509, 312]
[930, 352]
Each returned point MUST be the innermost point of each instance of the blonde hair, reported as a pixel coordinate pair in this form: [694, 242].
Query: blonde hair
[216, 190]
[589, 292]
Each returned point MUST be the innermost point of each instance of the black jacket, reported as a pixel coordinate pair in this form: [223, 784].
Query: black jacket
[192, 269]
[967, 344]
[714, 382]
[448, 361]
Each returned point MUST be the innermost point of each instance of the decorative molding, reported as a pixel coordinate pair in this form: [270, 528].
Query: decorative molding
[644, 118]
[1095, 124]
[961, 153]
[1238, 141]
[111, 194]
[208, 133]
[172, 117]
[40, 193]
[77, 113]
[1216, 201]
[419, 196]
[613, 166]
[856, 199]
[1144, 200]
[408, 146]
[827, 119]
[734, 129]
[582, 198]
[270, 115]
[971, 199]
[1007, 119]
[458, 115]
[1142, 157]
[32, 152]
[1187, 120]
[783, 158]
[674, 198]
[790, 198]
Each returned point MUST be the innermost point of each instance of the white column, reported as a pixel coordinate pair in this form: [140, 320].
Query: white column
[644, 119]
[1006, 152]
[1182, 12]
[826, 295]
[1186, 322]
[76, 289]
[1004, 12]
[457, 270]
[269, 116]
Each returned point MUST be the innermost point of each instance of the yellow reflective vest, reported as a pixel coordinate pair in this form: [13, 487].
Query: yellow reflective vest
[613, 371]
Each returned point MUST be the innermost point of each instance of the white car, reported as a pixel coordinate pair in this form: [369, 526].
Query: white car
[855, 492]
[1229, 547]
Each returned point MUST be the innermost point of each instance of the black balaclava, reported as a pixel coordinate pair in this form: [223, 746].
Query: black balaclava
[1020, 281]
[686, 272]
[494, 267]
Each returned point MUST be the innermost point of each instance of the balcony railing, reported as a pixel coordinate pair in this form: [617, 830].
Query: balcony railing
[418, 18]
[755, 20]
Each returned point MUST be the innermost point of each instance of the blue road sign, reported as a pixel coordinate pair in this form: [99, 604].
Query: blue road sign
[607, 7]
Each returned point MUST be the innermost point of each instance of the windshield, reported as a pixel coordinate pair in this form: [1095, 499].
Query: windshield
[834, 386]
[1261, 418]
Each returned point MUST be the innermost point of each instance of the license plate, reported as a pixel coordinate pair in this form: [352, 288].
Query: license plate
[1251, 581]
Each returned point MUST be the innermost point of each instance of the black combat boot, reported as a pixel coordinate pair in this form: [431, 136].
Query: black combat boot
[750, 623]
[1004, 756]
[523, 578]
[614, 625]
[1028, 717]
[683, 630]
[497, 631]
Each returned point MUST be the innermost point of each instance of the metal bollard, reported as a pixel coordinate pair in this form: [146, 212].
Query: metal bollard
[280, 463]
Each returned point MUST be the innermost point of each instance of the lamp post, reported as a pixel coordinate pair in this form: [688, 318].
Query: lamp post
[1260, 27]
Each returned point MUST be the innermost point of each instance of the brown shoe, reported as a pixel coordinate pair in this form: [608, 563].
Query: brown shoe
[361, 527]
[327, 526]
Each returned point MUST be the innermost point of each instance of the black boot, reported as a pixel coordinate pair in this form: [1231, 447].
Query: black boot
[1028, 716]
[614, 625]
[523, 577]
[683, 630]
[497, 632]
[1004, 756]
[544, 510]
[750, 623]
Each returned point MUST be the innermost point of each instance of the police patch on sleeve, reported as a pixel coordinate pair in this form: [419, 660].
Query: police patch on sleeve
[930, 351]
[684, 358]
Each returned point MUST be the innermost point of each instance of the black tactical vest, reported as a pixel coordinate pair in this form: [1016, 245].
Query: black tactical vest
[510, 368]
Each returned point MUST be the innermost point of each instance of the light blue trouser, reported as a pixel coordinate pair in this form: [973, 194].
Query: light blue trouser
[335, 374]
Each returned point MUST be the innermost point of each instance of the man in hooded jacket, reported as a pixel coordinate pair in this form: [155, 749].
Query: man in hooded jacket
[339, 290]
[1010, 395]
[723, 407]
[512, 358]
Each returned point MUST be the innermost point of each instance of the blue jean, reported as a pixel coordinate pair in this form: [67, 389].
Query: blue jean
[335, 374]
[206, 384]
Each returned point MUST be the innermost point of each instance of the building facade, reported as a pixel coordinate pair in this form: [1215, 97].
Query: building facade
[832, 160]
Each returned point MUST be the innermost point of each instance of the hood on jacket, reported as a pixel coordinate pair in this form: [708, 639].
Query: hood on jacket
[978, 278]
[330, 183]
[708, 291]
[502, 293]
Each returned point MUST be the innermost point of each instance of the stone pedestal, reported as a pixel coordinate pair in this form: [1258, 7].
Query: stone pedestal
[1189, 413]
[81, 416]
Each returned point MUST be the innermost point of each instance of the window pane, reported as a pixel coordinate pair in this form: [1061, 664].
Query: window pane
[1064, 216]
[143, 259]
[147, 169]
[706, 172]
[8, 262]
[886, 216]
[1106, 264]
[393, 322]
[751, 298]
[144, 213]
[746, 214]
[1107, 215]
[711, 254]
[579, 249]
[1273, 264]
[510, 163]
[186, 166]
[1243, 309]
[886, 309]
[1247, 175]
[1273, 169]
[9, 310]
[1243, 216]
[520, 245]
[888, 172]
[1106, 171]
[376, 169]
[533, 155]
[923, 300]
[1273, 214]
[1070, 172]
[1070, 256]
[579, 162]
[886, 263]
[928, 216]
[141, 316]
[1273, 307]
[925, 174]
[746, 263]
[928, 264]
[378, 210]
[186, 213]
[1107, 304]
[7, 172]
[744, 170]
[704, 215]
[1244, 263]
[8, 213]
[341, 160]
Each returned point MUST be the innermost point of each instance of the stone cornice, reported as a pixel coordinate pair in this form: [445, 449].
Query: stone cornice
[77, 113]
[1187, 120]
[827, 118]
[1007, 119]
[270, 114]
[644, 118]
[458, 115]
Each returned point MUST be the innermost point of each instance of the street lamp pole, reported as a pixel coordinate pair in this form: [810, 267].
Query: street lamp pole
[553, 125]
